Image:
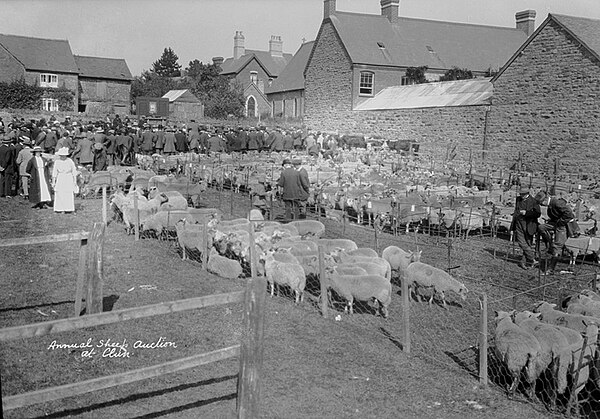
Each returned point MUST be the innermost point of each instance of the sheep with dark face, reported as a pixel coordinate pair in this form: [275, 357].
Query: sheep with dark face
[422, 275]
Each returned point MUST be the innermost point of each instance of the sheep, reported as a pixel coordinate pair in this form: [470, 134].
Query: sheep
[419, 274]
[350, 270]
[516, 348]
[283, 273]
[361, 287]
[145, 209]
[332, 244]
[553, 344]
[175, 200]
[363, 251]
[256, 215]
[222, 266]
[163, 220]
[582, 245]
[189, 236]
[341, 256]
[399, 259]
[309, 228]
[576, 322]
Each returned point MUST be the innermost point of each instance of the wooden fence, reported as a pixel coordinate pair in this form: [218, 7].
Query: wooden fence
[250, 350]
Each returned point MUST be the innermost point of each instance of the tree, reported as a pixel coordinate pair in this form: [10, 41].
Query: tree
[456, 73]
[151, 84]
[416, 75]
[167, 65]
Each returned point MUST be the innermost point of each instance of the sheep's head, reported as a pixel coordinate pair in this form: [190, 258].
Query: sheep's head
[543, 307]
[415, 256]
[462, 291]
[501, 315]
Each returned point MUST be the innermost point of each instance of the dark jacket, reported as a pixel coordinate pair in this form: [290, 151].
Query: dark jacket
[295, 185]
[559, 212]
[529, 221]
[34, 182]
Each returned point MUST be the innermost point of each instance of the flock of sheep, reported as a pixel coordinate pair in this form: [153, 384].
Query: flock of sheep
[553, 350]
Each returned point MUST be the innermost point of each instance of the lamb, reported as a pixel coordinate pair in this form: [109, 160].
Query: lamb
[309, 228]
[385, 269]
[419, 274]
[175, 200]
[222, 266]
[399, 259]
[516, 348]
[361, 287]
[145, 208]
[283, 273]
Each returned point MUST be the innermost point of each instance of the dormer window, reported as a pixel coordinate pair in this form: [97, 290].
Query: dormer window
[48, 80]
[381, 45]
[366, 83]
[254, 77]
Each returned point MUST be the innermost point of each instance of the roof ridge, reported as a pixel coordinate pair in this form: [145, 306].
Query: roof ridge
[33, 37]
[574, 17]
[102, 58]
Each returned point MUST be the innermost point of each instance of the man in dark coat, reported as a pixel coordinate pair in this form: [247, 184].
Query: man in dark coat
[148, 141]
[295, 188]
[111, 145]
[7, 168]
[559, 215]
[39, 187]
[524, 225]
[181, 142]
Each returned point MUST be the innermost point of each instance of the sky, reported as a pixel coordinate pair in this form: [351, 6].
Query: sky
[139, 30]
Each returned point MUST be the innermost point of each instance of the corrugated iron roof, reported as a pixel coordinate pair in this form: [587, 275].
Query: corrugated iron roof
[292, 77]
[420, 42]
[273, 65]
[41, 54]
[181, 95]
[103, 68]
[429, 95]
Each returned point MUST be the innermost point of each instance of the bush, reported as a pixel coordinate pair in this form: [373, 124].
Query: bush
[20, 95]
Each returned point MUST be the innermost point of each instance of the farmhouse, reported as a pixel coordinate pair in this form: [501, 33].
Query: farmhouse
[255, 70]
[286, 93]
[99, 84]
[357, 55]
[545, 103]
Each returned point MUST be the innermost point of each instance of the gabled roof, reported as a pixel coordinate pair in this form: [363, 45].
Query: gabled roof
[429, 95]
[585, 30]
[181, 96]
[41, 54]
[273, 66]
[292, 76]
[103, 68]
[373, 40]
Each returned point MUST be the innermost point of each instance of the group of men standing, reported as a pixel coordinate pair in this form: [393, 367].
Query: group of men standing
[525, 226]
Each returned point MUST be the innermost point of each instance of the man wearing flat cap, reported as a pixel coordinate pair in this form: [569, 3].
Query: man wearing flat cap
[524, 225]
[295, 188]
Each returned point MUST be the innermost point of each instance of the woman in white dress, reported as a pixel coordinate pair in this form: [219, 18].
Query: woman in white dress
[64, 182]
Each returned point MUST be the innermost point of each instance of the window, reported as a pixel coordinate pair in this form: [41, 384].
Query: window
[254, 77]
[48, 80]
[366, 83]
[406, 81]
[152, 108]
[50, 105]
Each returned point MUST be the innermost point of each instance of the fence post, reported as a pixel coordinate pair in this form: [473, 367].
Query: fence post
[323, 282]
[104, 216]
[93, 301]
[405, 313]
[483, 344]
[204, 245]
[376, 228]
[81, 275]
[449, 254]
[137, 217]
[252, 348]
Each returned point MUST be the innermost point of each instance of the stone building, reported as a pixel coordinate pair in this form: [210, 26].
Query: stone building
[357, 55]
[546, 99]
[255, 70]
[104, 85]
[43, 62]
[97, 83]
[286, 93]
[184, 106]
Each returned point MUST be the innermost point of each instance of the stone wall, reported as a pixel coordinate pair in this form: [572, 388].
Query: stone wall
[112, 92]
[546, 105]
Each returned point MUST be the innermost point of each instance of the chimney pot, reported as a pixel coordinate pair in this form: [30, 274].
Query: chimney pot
[328, 8]
[276, 46]
[239, 48]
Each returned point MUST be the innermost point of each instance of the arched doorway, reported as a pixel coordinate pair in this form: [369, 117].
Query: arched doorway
[251, 106]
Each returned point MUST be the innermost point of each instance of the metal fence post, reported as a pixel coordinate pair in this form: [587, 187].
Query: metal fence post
[483, 344]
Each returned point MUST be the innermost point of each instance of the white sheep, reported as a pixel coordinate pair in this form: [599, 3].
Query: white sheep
[516, 348]
[145, 209]
[350, 270]
[189, 236]
[362, 288]
[362, 252]
[162, 220]
[576, 322]
[222, 266]
[282, 273]
[419, 274]
[400, 259]
[309, 228]
[333, 244]
[175, 200]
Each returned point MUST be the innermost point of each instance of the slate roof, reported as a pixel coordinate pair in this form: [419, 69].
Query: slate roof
[292, 77]
[182, 95]
[103, 68]
[41, 54]
[429, 95]
[418, 42]
[586, 30]
[273, 66]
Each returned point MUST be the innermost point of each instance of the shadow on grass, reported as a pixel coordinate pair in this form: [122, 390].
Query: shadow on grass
[150, 394]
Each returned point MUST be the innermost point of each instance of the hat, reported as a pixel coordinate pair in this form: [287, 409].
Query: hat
[25, 139]
[523, 190]
[36, 149]
[100, 131]
[540, 197]
[98, 146]
[286, 161]
[297, 162]
[63, 151]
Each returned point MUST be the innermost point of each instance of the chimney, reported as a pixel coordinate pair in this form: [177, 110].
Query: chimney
[389, 9]
[526, 21]
[276, 46]
[217, 61]
[328, 8]
[238, 45]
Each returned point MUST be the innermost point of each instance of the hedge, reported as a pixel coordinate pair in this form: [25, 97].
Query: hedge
[20, 95]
